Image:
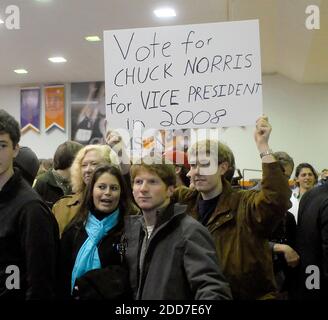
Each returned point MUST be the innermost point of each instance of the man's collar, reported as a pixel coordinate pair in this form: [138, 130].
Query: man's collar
[9, 187]
[6, 178]
[223, 205]
[165, 214]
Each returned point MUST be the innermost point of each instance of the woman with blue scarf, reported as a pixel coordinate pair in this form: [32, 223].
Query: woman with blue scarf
[92, 249]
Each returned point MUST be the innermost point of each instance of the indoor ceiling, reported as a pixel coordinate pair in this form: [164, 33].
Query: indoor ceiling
[58, 27]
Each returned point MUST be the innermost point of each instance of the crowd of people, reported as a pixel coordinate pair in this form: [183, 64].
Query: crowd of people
[93, 227]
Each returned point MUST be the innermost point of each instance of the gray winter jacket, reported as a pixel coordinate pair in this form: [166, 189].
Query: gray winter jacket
[180, 260]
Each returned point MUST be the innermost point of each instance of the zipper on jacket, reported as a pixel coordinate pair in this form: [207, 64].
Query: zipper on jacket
[149, 250]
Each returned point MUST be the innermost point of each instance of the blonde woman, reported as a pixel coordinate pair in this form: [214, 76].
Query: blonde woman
[82, 169]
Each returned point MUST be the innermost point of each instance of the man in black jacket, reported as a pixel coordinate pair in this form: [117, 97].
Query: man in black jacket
[312, 245]
[28, 231]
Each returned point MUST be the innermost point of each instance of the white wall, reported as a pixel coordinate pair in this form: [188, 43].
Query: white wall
[298, 114]
[44, 144]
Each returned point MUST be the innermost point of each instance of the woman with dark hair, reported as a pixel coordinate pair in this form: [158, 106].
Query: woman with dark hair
[92, 265]
[85, 162]
[305, 178]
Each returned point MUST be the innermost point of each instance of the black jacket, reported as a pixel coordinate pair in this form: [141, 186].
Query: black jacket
[180, 260]
[110, 257]
[312, 243]
[29, 239]
[284, 233]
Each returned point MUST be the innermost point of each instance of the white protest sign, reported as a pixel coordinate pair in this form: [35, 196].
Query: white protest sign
[189, 76]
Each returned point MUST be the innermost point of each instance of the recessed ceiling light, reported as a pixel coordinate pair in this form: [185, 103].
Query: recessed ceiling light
[92, 38]
[57, 59]
[1, 21]
[164, 12]
[21, 71]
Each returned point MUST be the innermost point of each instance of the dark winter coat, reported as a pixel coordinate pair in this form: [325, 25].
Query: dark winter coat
[312, 244]
[111, 259]
[29, 239]
[180, 260]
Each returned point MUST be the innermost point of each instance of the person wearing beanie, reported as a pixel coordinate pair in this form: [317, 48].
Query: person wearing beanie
[29, 235]
[28, 164]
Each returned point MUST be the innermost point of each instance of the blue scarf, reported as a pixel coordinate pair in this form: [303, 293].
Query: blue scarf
[88, 258]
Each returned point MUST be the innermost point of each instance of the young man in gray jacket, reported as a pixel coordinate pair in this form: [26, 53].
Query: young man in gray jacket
[170, 255]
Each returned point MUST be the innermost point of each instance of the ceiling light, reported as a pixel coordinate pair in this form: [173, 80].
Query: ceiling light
[92, 38]
[57, 59]
[164, 13]
[20, 71]
[1, 21]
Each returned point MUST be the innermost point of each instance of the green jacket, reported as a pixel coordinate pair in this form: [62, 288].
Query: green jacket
[47, 187]
[241, 225]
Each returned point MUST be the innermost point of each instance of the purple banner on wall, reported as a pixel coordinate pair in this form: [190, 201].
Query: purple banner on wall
[30, 109]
